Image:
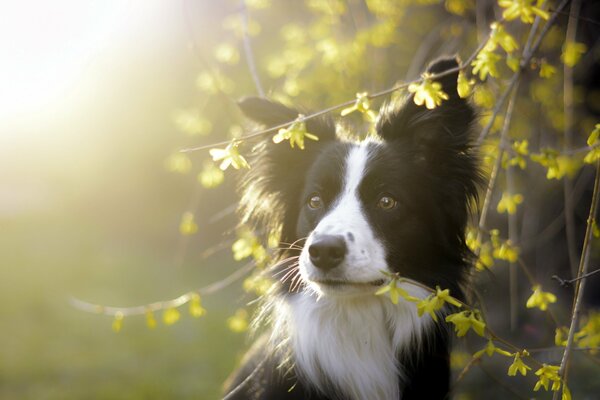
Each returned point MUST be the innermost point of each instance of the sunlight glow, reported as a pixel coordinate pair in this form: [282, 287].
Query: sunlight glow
[45, 47]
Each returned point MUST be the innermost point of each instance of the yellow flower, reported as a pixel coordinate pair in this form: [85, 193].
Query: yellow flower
[239, 321]
[548, 158]
[230, 156]
[540, 299]
[566, 393]
[150, 320]
[518, 365]
[248, 245]
[428, 92]
[592, 140]
[465, 320]
[506, 251]
[485, 63]
[546, 70]
[396, 292]
[595, 229]
[520, 148]
[171, 316]
[227, 54]
[178, 162]
[560, 336]
[508, 203]
[210, 176]
[464, 85]
[485, 259]
[196, 309]
[490, 349]
[547, 373]
[523, 9]
[435, 302]
[572, 52]
[592, 156]
[117, 322]
[190, 122]
[188, 226]
[295, 133]
[499, 37]
[362, 105]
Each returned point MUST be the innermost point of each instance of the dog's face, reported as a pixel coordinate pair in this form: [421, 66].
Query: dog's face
[395, 203]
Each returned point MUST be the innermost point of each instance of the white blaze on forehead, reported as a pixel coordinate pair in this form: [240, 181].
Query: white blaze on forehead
[356, 163]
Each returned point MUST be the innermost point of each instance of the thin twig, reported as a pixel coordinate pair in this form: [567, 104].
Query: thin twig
[580, 286]
[162, 305]
[248, 49]
[568, 282]
[568, 112]
[243, 383]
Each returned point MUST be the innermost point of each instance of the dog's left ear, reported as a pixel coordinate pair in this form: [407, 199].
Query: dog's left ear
[431, 133]
[272, 187]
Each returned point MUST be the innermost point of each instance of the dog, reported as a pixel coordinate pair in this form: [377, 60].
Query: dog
[396, 202]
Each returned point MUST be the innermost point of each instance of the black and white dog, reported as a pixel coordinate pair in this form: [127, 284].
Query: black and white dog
[397, 202]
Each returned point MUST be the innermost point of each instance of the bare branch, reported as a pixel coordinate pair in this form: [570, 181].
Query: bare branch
[568, 282]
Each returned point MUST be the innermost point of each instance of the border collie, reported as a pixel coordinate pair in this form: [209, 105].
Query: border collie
[396, 202]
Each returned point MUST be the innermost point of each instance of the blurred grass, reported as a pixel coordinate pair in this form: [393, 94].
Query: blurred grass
[52, 351]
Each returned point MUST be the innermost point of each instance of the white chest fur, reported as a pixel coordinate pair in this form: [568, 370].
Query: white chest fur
[352, 343]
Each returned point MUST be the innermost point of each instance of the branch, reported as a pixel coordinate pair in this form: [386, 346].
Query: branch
[569, 119]
[248, 50]
[580, 285]
[162, 305]
[568, 282]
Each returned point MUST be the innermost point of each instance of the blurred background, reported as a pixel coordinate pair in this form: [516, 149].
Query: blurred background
[97, 203]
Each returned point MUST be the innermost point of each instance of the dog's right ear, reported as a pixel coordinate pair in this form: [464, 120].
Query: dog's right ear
[266, 112]
[272, 187]
[269, 113]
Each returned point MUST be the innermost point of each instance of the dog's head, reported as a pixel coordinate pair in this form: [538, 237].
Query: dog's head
[396, 203]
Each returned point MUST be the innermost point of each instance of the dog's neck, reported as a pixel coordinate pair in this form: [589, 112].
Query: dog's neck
[351, 347]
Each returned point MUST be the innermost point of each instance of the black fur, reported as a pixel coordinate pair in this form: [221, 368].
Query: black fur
[426, 161]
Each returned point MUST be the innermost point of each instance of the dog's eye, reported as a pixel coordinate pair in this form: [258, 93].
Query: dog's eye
[315, 202]
[386, 202]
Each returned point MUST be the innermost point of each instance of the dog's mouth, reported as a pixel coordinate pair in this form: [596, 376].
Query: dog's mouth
[336, 283]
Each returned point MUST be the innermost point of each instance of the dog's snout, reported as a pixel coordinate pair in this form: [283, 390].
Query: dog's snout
[327, 251]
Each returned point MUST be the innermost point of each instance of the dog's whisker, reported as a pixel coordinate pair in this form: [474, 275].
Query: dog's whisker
[286, 269]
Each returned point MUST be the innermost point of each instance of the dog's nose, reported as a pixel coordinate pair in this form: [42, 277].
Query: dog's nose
[327, 251]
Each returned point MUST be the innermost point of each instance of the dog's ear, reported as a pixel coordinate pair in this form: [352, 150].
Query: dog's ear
[438, 136]
[448, 123]
[271, 189]
[440, 140]
[266, 112]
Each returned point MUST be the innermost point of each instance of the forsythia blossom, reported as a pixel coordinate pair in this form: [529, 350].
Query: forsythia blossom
[485, 64]
[295, 133]
[362, 105]
[230, 156]
[435, 302]
[523, 9]
[518, 365]
[196, 309]
[508, 203]
[540, 299]
[428, 92]
[396, 292]
[546, 374]
[490, 349]
[465, 320]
